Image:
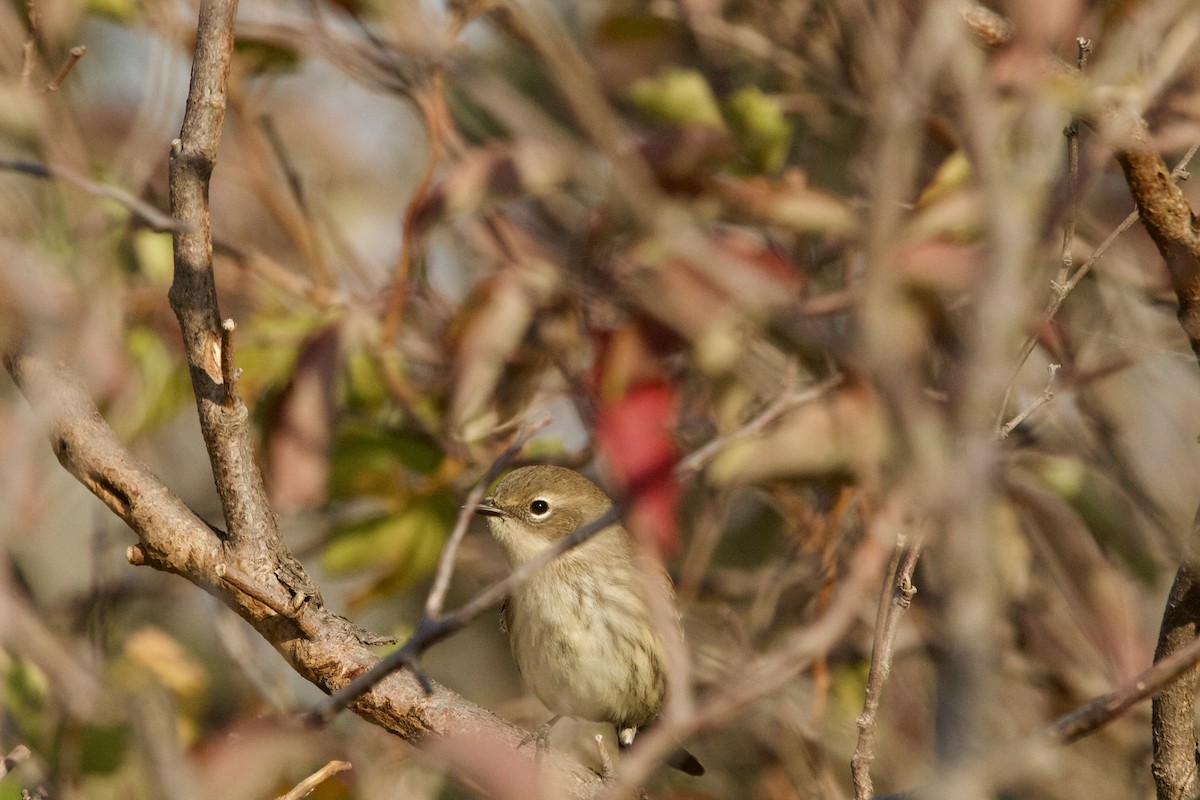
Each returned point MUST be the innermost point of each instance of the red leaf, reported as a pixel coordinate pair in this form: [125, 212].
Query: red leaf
[634, 434]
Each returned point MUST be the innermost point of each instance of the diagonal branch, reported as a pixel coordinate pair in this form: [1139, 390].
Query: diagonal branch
[154, 219]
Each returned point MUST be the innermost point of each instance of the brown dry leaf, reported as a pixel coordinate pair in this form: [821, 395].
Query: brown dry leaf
[940, 264]
[699, 283]
[151, 651]
[490, 338]
[837, 436]
[957, 214]
[790, 202]
[164, 658]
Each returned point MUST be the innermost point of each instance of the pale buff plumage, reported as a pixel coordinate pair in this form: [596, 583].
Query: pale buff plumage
[580, 628]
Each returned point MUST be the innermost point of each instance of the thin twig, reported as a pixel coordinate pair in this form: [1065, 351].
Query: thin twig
[1094, 715]
[1060, 291]
[893, 603]
[16, 756]
[1179, 173]
[881, 656]
[156, 220]
[1045, 397]
[73, 56]
[305, 787]
[1072, 134]
[229, 373]
[445, 568]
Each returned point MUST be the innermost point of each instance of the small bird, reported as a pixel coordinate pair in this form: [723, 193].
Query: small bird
[580, 628]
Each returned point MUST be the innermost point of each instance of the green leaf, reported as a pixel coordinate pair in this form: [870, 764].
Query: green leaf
[267, 349]
[260, 56]
[25, 686]
[417, 452]
[24, 697]
[119, 10]
[103, 748]
[165, 387]
[155, 258]
[676, 96]
[364, 386]
[368, 542]
[369, 460]
[634, 28]
[763, 132]
[402, 547]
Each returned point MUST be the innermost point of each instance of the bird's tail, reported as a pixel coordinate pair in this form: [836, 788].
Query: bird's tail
[684, 761]
[680, 759]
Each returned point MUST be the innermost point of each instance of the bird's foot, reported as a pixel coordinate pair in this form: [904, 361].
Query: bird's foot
[541, 737]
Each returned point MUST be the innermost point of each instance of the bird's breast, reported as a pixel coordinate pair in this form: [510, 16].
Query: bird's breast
[584, 644]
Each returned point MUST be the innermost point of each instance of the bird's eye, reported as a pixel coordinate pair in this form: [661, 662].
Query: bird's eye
[539, 508]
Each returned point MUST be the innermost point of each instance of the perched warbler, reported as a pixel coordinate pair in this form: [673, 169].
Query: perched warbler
[581, 629]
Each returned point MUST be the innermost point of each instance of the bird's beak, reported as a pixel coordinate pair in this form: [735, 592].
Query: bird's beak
[488, 508]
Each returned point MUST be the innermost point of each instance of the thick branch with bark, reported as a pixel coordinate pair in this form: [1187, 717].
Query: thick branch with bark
[1169, 220]
[206, 337]
[1173, 717]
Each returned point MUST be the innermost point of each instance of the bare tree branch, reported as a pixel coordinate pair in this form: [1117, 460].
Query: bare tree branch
[1092, 716]
[893, 603]
[1169, 220]
[193, 295]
